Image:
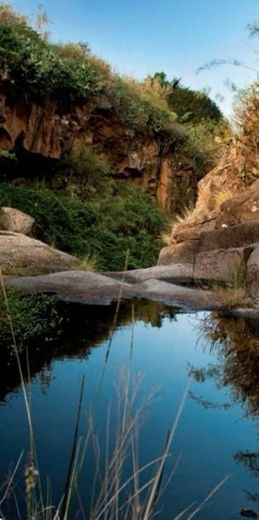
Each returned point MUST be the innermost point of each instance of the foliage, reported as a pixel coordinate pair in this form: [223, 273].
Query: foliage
[85, 172]
[81, 54]
[237, 348]
[9, 17]
[245, 143]
[208, 139]
[105, 228]
[190, 106]
[34, 69]
[193, 106]
[253, 28]
[150, 89]
[31, 68]
[32, 318]
[138, 110]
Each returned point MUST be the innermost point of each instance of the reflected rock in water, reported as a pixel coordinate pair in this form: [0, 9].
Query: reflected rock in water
[236, 343]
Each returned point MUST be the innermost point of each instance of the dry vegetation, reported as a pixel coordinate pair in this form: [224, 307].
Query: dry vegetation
[237, 165]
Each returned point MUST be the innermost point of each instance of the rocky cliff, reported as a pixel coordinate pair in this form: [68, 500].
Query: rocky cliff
[221, 234]
[159, 161]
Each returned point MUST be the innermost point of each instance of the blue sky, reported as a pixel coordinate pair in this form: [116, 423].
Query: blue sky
[140, 37]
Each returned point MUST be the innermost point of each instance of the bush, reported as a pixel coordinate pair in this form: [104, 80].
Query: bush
[86, 170]
[208, 139]
[245, 145]
[193, 106]
[138, 110]
[105, 228]
[9, 17]
[32, 70]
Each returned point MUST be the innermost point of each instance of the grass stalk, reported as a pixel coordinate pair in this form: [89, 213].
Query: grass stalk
[157, 480]
[11, 479]
[71, 469]
[33, 453]
[209, 496]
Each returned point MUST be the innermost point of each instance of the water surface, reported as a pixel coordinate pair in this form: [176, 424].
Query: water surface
[218, 430]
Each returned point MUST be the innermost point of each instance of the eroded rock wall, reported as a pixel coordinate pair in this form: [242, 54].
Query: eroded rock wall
[157, 162]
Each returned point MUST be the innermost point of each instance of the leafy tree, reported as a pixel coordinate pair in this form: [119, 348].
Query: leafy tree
[193, 106]
[190, 106]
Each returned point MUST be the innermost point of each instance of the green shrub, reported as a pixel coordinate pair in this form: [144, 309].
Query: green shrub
[207, 139]
[85, 170]
[193, 106]
[139, 111]
[105, 228]
[32, 69]
[63, 219]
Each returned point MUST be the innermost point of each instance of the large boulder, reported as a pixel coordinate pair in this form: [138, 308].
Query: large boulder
[22, 255]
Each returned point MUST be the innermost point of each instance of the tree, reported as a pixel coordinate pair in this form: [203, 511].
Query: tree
[191, 106]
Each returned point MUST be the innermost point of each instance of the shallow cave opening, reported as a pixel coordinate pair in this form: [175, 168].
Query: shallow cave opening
[128, 173]
[25, 166]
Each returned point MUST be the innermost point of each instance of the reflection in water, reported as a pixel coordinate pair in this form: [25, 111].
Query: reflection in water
[236, 342]
[45, 377]
[250, 460]
[83, 327]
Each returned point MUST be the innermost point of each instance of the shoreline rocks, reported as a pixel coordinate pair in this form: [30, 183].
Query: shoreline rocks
[90, 288]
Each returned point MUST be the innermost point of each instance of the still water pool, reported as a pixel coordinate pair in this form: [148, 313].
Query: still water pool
[216, 435]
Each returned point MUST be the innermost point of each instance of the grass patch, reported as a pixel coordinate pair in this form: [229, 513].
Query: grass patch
[233, 297]
[88, 263]
[187, 216]
[222, 195]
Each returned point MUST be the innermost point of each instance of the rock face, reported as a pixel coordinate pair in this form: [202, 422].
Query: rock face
[220, 237]
[253, 273]
[22, 255]
[156, 162]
